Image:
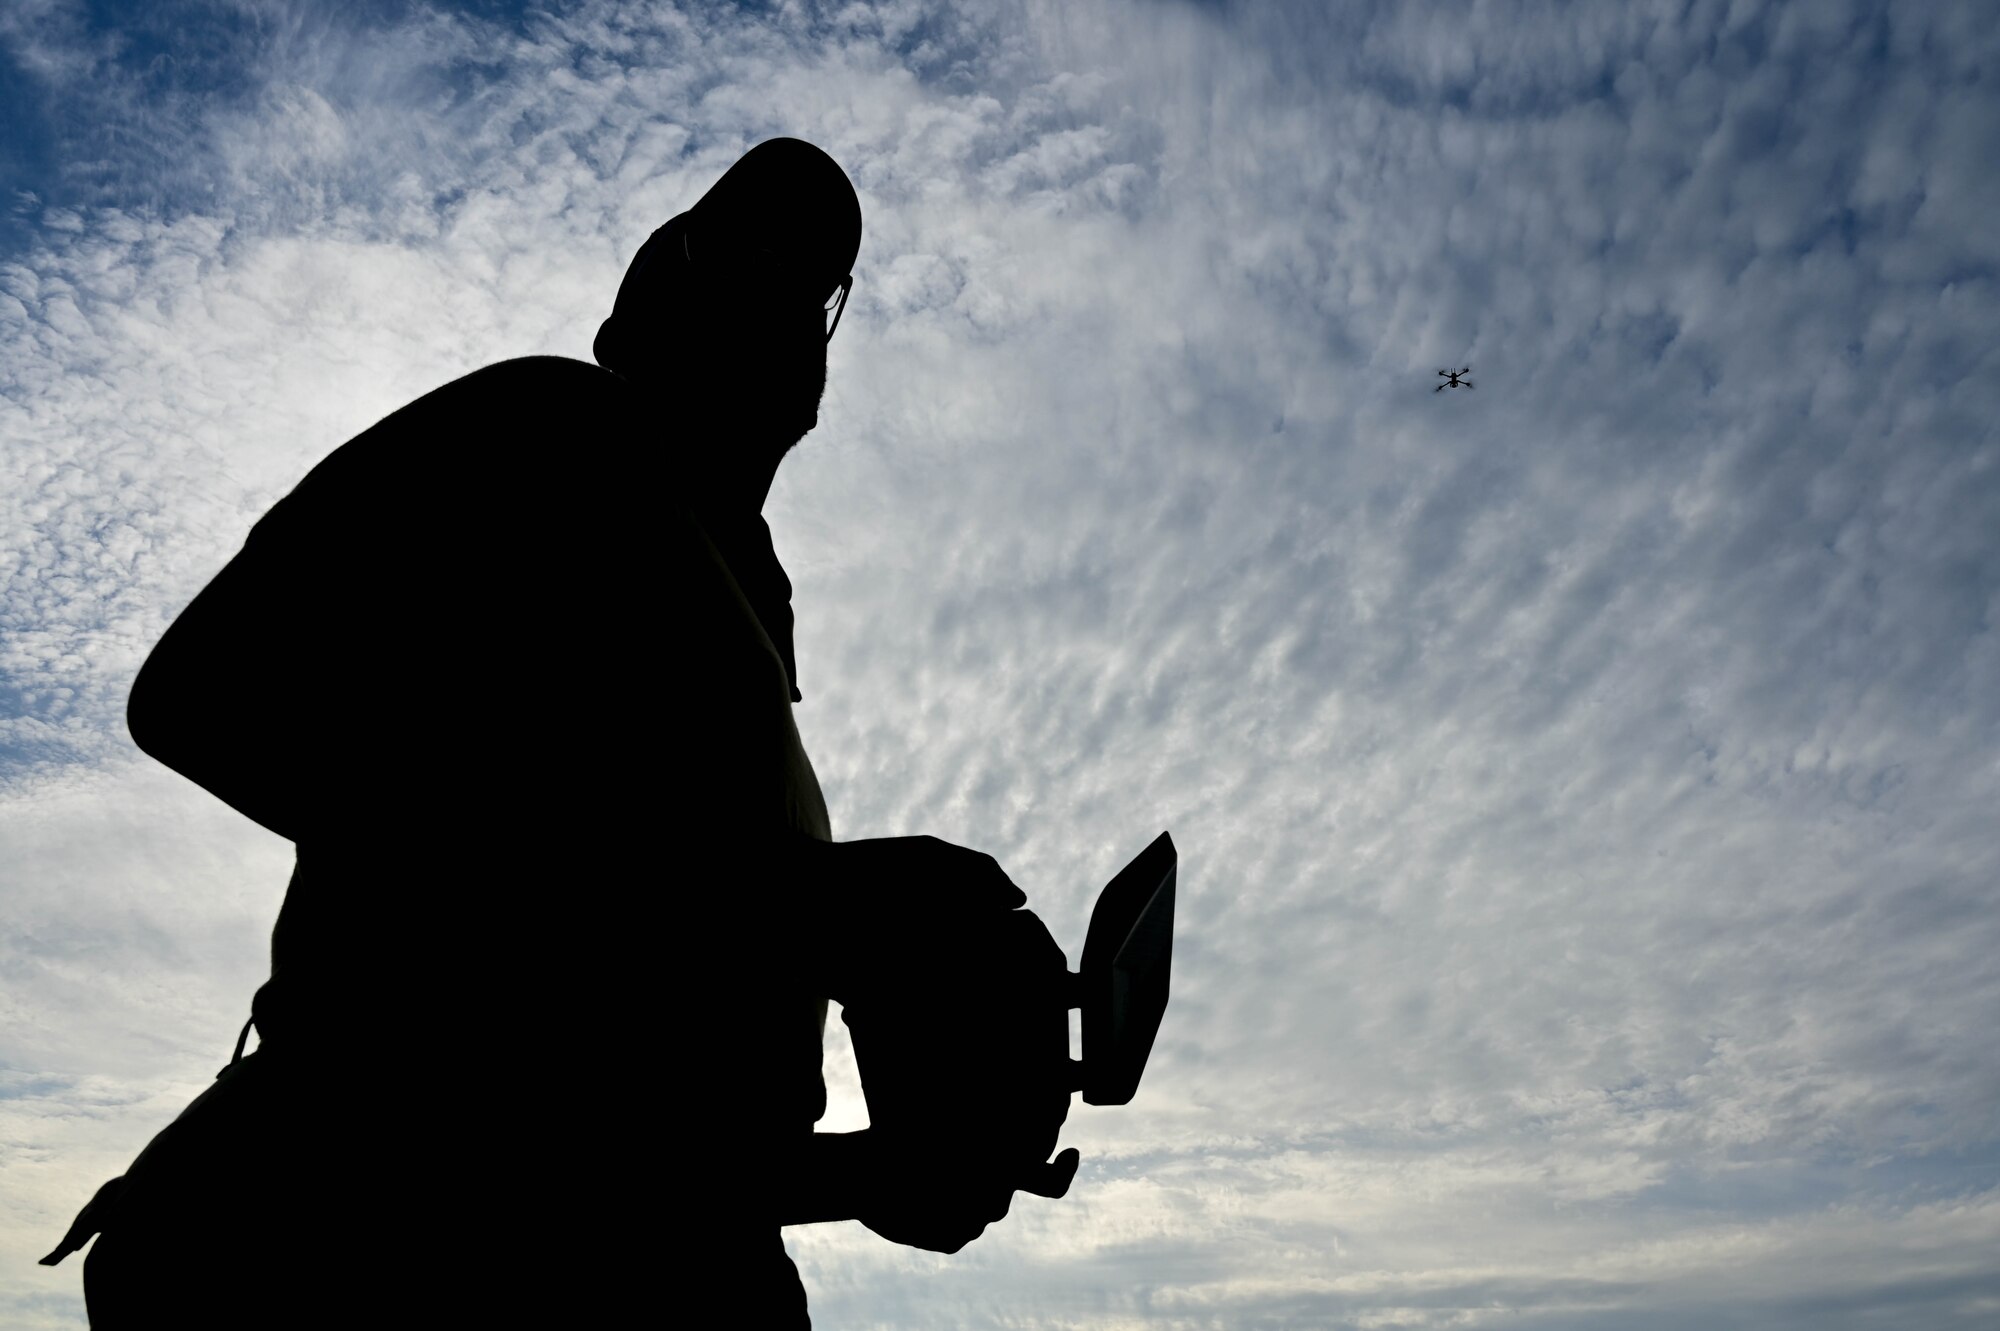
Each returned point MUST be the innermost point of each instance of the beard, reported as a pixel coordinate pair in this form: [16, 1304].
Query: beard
[799, 404]
[740, 418]
[781, 407]
[763, 391]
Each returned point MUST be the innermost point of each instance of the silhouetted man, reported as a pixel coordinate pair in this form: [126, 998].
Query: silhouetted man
[514, 670]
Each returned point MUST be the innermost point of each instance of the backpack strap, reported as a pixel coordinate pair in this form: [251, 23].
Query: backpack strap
[91, 1219]
[241, 1039]
[88, 1221]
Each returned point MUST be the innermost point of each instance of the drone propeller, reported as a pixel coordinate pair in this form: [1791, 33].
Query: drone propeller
[1440, 388]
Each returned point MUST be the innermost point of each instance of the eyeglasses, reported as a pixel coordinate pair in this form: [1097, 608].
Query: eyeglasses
[768, 269]
[836, 303]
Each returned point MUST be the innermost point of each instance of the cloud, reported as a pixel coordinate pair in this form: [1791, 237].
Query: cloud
[1584, 783]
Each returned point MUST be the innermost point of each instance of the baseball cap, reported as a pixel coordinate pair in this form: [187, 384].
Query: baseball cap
[785, 207]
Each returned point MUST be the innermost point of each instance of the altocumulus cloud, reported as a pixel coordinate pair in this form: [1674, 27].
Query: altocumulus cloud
[1584, 782]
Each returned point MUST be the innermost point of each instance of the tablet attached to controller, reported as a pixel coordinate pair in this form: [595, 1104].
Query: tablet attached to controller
[1121, 985]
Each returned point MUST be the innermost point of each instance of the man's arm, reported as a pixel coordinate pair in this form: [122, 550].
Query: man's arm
[855, 908]
[909, 1197]
[861, 914]
[215, 698]
[827, 1177]
[302, 684]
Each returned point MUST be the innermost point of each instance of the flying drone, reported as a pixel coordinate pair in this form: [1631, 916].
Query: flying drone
[1451, 379]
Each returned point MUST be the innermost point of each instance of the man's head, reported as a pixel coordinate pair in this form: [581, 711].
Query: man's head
[727, 303]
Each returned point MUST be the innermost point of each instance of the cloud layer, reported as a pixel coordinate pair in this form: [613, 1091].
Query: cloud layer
[1584, 783]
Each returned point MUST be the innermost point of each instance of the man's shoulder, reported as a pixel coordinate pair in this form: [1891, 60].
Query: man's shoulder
[538, 385]
[541, 372]
[531, 421]
[504, 400]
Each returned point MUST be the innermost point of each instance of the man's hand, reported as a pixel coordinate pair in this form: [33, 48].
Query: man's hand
[953, 996]
[922, 875]
[931, 1194]
[896, 905]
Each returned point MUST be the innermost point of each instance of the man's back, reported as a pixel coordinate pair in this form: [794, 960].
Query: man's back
[487, 667]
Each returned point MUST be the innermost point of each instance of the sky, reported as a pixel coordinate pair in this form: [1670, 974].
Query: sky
[1584, 783]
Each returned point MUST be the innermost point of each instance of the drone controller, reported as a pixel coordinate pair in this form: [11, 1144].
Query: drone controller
[988, 1057]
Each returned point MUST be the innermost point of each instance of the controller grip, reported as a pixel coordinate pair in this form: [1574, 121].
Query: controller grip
[1051, 1179]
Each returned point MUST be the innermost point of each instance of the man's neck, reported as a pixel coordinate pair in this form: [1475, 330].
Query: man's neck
[732, 475]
